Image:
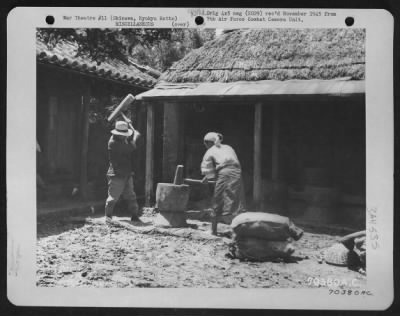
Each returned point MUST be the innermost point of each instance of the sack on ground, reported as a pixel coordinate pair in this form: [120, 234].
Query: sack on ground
[266, 226]
[260, 249]
[360, 248]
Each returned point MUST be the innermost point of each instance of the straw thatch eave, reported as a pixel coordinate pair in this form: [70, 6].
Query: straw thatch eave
[274, 54]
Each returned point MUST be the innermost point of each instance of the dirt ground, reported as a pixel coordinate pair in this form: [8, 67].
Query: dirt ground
[83, 251]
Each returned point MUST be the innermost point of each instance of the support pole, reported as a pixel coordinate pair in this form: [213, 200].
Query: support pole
[140, 162]
[149, 155]
[257, 177]
[275, 143]
[51, 134]
[171, 141]
[85, 140]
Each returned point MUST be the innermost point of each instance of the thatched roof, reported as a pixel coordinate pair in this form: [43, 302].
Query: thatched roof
[274, 54]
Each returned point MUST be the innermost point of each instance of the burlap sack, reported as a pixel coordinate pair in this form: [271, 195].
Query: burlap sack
[260, 249]
[360, 248]
[265, 226]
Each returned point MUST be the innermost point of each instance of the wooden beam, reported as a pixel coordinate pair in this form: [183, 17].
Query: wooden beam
[257, 177]
[149, 183]
[84, 140]
[275, 142]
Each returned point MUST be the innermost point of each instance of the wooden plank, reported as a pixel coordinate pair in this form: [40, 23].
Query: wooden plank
[257, 177]
[149, 182]
[275, 142]
[171, 141]
[255, 88]
[240, 99]
[85, 140]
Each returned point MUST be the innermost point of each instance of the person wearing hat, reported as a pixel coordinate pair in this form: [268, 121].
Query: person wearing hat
[121, 147]
[220, 162]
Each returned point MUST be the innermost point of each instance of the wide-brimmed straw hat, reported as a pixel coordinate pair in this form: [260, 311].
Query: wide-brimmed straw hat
[121, 128]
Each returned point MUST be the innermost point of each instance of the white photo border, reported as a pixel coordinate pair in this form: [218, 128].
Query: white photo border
[21, 167]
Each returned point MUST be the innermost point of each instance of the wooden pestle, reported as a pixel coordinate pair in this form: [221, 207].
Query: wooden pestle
[178, 179]
[196, 181]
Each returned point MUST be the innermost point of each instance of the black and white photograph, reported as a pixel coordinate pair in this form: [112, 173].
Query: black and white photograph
[216, 157]
[213, 158]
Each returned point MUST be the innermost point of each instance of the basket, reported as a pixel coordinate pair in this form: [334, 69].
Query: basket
[337, 255]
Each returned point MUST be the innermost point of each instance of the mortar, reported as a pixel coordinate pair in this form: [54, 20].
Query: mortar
[171, 201]
[172, 197]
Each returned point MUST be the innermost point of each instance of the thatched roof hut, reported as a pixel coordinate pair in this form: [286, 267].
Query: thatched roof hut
[261, 71]
[274, 54]
[260, 62]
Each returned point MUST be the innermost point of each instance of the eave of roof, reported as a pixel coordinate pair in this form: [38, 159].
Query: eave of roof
[64, 58]
[255, 89]
[94, 76]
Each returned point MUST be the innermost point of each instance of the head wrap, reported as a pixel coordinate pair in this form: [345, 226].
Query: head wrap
[216, 138]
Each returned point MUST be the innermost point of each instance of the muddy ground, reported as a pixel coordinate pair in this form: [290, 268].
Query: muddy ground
[83, 251]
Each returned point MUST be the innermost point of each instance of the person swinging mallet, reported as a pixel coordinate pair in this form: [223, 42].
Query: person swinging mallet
[121, 147]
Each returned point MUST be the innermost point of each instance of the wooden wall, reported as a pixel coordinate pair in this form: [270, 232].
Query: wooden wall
[330, 135]
[325, 132]
[60, 123]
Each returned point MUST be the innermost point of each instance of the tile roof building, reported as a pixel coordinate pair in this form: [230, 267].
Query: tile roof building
[72, 90]
[64, 55]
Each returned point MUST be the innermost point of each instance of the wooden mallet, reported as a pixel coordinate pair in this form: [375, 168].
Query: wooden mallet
[121, 107]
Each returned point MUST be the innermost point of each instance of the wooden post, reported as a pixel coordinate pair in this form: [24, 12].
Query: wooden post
[171, 141]
[149, 155]
[181, 136]
[51, 134]
[275, 143]
[84, 143]
[257, 177]
[140, 165]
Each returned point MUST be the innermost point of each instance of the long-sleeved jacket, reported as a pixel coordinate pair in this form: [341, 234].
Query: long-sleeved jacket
[217, 157]
[120, 155]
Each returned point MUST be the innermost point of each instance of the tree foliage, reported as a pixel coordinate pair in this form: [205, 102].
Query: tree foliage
[163, 53]
[158, 48]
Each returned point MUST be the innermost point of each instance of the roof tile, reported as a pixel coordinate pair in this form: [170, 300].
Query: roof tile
[64, 55]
